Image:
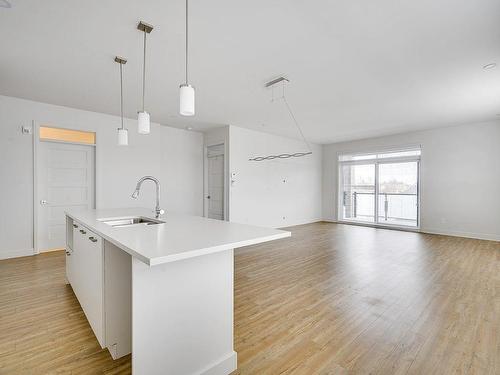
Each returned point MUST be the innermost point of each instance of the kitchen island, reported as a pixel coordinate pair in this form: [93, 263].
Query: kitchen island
[161, 289]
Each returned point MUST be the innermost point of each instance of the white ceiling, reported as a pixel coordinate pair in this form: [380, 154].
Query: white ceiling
[357, 68]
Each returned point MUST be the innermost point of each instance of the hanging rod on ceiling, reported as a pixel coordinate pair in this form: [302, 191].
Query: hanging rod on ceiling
[282, 80]
[276, 81]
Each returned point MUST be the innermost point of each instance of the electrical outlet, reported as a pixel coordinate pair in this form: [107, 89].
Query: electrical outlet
[26, 129]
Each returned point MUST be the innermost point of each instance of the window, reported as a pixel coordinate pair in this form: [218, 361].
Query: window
[381, 155]
[66, 135]
[380, 188]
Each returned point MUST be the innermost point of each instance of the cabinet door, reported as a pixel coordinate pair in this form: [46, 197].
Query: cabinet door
[70, 265]
[91, 266]
[86, 274]
[76, 271]
[71, 258]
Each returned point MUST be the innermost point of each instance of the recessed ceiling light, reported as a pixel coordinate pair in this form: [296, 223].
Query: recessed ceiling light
[490, 66]
[5, 4]
[189, 128]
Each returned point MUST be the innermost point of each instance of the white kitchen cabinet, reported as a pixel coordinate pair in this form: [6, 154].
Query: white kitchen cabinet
[70, 264]
[75, 267]
[100, 275]
[85, 272]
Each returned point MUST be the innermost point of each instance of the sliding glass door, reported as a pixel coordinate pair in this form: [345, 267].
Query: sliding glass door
[398, 193]
[380, 188]
[358, 192]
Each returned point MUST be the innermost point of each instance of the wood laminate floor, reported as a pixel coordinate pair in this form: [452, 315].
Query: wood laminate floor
[333, 299]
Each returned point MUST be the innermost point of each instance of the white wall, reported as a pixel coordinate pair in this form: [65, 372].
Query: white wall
[174, 156]
[274, 193]
[460, 177]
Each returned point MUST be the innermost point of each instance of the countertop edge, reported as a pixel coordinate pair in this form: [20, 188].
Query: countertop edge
[181, 256]
[215, 249]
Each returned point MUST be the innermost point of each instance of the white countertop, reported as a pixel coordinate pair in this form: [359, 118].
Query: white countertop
[180, 237]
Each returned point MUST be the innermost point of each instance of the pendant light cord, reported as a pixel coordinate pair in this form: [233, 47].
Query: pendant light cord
[296, 124]
[187, 42]
[144, 73]
[121, 94]
[294, 119]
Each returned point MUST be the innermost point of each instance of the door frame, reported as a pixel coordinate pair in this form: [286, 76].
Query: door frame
[205, 178]
[376, 163]
[36, 198]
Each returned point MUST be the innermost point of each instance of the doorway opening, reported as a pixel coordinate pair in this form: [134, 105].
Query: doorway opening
[64, 162]
[215, 182]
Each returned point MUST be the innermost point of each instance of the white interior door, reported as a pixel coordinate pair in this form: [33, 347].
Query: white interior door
[66, 174]
[215, 188]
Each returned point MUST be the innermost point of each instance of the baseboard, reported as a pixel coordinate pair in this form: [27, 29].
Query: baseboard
[225, 366]
[16, 254]
[300, 222]
[477, 236]
[51, 250]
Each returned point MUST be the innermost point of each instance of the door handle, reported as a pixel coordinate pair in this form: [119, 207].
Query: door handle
[93, 239]
[82, 231]
[75, 226]
[43, 202]
[208, 196]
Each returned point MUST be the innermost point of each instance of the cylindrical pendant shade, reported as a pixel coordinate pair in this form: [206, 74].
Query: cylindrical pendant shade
[122, 137]
[186, 107]
[143, 123]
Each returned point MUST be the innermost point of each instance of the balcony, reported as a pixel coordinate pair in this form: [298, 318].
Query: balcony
[398, 209]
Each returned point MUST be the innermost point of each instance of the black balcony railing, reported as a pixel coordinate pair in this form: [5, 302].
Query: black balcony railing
[396, 206]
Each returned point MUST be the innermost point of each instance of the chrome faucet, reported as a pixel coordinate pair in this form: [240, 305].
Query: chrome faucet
[135, 194]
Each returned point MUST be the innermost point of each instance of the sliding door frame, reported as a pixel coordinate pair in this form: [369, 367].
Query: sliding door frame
[377, 162]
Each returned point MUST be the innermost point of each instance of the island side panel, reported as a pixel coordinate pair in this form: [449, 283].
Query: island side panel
[182, 316]
[118, 300]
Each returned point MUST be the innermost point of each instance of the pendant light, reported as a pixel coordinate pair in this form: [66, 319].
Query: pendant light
[143, 118]
[272, 84]
[122, 132]
[186, 93]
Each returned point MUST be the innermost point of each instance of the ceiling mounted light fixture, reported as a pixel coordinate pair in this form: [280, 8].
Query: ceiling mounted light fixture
[490, 66]
[143, 118]
[186, 91]
[272, 84]
[122, 132]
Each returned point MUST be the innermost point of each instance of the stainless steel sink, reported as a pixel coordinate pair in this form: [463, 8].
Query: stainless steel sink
[128, 221]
